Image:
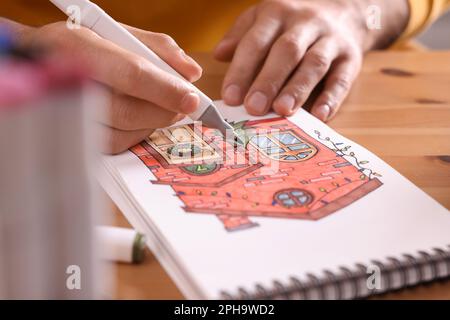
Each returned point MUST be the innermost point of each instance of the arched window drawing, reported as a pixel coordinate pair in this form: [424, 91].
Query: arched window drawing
[182, 145]
[293, 198]
[283, 146]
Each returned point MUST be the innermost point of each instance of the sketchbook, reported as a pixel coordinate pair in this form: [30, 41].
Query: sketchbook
[296, 211]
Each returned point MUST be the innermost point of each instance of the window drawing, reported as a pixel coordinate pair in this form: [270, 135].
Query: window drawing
[293, 198]
[283, 146]
[313, 176]
[181, 145]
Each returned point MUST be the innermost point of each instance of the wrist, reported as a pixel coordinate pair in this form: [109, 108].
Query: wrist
[356, 19]
[352, 16]
[378, 23]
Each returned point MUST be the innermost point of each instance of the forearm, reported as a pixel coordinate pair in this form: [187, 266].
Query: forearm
[394, 16]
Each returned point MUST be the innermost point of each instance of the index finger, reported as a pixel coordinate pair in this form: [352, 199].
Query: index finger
[132, 74]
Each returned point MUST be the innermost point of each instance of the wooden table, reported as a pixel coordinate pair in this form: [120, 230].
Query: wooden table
[399, 108]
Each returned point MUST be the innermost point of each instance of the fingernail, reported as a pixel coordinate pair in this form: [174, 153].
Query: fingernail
[189, 103]
[257, 102]
[285, 104]
[322, 112]
[232, 94]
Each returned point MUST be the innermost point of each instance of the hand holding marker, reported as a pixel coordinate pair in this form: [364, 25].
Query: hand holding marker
[94, 18]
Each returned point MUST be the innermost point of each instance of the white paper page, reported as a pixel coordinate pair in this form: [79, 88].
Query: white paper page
[394, 219]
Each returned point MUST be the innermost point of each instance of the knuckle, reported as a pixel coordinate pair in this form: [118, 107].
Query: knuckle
[131, 74]
[58, 34]
[166, 39]
[56, 28]
[290, 44]
[179, 89]
[311, 14]
[148, 35]
[255, 43]
[342, 82]
[319, 60]
[350, 50]
[300, 90]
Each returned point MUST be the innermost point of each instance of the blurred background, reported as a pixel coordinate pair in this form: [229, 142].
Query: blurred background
[141, 14]
[436, 37]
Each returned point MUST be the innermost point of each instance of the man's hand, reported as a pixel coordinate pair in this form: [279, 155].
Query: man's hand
[282, 49]
[142, 97]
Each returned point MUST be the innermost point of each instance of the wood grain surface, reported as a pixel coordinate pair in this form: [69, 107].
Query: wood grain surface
[399, 109]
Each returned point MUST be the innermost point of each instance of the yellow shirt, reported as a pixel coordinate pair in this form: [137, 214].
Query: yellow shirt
[197, 25]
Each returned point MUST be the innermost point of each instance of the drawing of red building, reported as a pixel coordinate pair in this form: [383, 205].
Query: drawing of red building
[286, 173]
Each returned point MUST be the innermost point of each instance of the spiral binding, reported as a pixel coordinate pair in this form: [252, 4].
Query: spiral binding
[395, 273]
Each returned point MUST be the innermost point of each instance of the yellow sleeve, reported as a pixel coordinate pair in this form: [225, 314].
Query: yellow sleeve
[422, 13]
